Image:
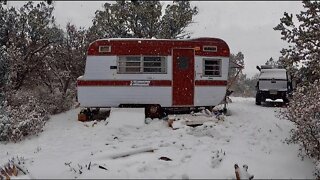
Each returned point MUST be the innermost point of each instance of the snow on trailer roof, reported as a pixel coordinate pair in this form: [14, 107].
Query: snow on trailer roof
[139, 39]
[273, 73]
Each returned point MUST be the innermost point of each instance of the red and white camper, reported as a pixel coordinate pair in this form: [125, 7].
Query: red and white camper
[154, 73]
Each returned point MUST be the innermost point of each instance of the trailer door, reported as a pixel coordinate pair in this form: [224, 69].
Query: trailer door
[183, 77]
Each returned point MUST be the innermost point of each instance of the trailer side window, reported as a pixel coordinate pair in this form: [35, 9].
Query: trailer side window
[212, 67]
[144, 64]
[154, 64]
[129, 64]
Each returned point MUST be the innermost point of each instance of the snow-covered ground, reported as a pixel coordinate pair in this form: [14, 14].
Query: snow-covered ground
[252, 135]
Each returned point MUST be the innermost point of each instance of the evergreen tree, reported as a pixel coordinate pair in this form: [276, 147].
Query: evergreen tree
[302, 60]
[142, 19]
[304, 40]
[176, 18]
[273, 63]
[236, 64]
[30, 41]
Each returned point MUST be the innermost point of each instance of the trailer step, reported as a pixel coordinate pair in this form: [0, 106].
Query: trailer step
[120, 117]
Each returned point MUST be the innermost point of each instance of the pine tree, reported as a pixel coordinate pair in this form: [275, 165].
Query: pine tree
[302, 60]
[176, 18]
[142, 19]
[30, 41]
[235, 64]
[26, 40]
[273, 63]
[304, 40]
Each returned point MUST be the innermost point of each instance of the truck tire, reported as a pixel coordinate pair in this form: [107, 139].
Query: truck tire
[258, 99]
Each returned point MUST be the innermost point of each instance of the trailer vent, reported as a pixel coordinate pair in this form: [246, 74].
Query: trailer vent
[210, 48]
[104, 49]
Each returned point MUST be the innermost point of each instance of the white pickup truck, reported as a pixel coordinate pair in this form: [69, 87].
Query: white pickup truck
[273, 83]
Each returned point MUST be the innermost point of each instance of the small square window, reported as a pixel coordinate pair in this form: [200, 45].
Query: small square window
[212, 67]
[104, 48]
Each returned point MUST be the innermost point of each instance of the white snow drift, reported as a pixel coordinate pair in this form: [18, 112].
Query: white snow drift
[252, 135]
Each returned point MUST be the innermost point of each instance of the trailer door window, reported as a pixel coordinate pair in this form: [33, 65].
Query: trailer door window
[212, 67]
[183, 62]
[145, 64]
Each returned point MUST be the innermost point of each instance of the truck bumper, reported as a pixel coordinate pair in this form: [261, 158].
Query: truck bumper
[273, 94]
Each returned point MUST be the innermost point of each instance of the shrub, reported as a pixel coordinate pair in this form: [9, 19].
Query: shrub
[19, 121]
[304, 111]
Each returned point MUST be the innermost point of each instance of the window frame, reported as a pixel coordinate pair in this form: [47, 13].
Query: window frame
[109, 49]
[163, 61]
[215, 50]
[119, 61]
[204, 67]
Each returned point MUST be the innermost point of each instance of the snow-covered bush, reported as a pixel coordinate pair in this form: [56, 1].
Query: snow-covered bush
[20, 120]
[301, 59]
[55, 102]
[304, 111]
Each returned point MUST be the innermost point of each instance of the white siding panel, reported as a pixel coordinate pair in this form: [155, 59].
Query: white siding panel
[208, 96]
[109, 96]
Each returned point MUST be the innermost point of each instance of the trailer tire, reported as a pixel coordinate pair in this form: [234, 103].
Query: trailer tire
[258, 99]
[153, 111]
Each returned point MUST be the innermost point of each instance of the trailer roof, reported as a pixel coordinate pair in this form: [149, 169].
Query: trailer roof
[204, 46]
[154, 39]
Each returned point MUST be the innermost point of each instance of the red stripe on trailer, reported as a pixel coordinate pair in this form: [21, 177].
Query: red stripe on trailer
[102, 83]
[152, 83]
[211, 83]
[120, 83]
[160, 83]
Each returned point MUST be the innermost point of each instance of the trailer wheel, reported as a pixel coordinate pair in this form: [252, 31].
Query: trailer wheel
[258, 99]
[153, 111]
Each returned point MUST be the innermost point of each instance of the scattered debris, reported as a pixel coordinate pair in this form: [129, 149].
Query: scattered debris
[242, 173]
[68, 164]
[165, 158]
[170, 122]
[101, 167]
[133, 152]
[11, 170]
[94, 123]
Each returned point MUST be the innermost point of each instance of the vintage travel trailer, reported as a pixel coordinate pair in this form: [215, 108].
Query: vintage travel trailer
[154, 73]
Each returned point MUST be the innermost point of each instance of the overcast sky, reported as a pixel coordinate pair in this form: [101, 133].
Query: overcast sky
[246, 26]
